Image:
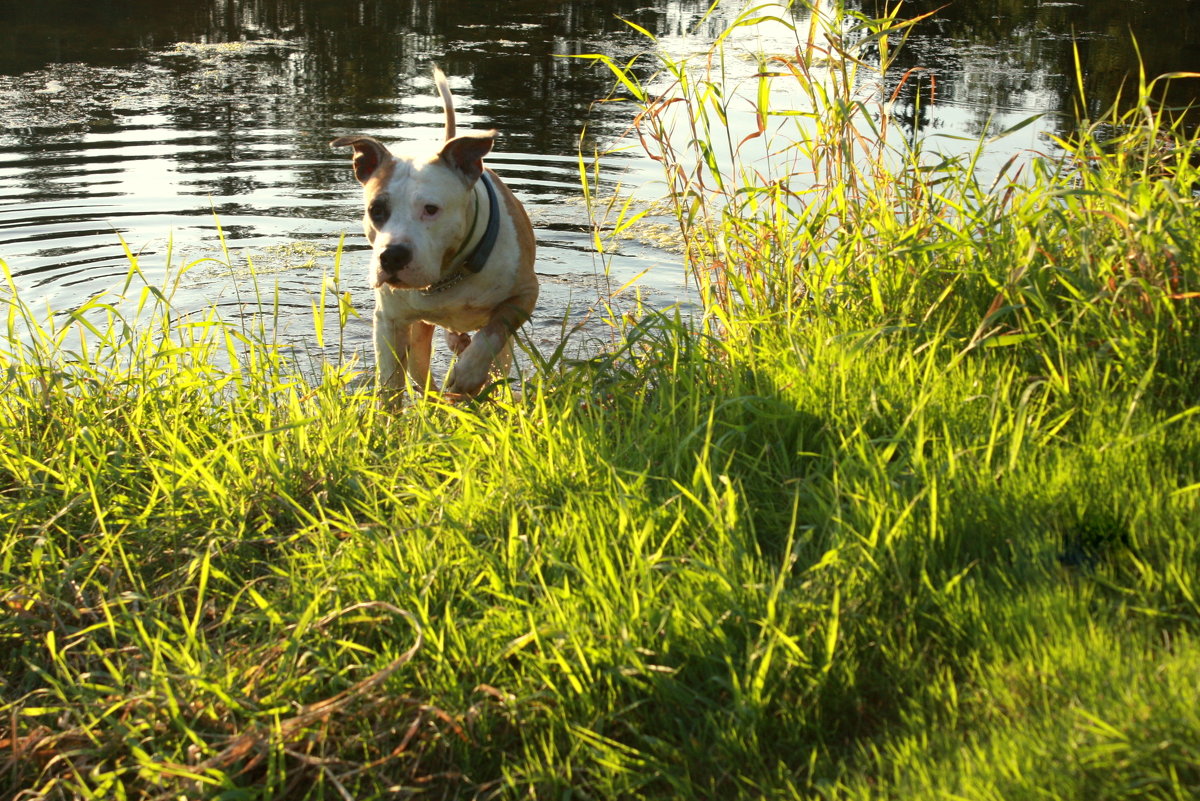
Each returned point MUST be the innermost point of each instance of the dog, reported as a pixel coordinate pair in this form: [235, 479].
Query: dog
[450, 246]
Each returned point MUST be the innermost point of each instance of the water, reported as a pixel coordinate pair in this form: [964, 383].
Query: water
[133, 119]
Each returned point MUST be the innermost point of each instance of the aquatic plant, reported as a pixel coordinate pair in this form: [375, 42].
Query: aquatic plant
[913, 517]
[827, 208]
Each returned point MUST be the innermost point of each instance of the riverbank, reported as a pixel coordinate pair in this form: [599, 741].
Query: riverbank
[911, 515]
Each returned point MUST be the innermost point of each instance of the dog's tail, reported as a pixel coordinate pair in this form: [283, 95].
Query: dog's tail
[443, 87]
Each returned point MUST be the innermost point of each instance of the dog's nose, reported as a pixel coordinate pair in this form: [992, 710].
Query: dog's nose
[395, 258]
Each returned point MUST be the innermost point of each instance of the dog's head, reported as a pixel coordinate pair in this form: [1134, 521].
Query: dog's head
[418, 210]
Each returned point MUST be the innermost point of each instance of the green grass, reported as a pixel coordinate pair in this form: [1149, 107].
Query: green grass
[911, 514]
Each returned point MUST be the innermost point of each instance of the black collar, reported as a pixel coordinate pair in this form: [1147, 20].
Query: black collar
[483, 251]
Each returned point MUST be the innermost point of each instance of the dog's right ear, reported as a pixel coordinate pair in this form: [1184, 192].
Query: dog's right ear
[369, 153]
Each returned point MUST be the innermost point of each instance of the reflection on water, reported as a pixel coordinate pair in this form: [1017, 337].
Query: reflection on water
[999, 61]
[146, 120]
[143, 118]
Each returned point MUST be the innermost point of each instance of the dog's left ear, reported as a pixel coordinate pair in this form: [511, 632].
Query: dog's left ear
[465, 154]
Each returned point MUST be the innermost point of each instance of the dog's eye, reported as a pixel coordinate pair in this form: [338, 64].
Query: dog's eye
[431, 210]
[378, 212]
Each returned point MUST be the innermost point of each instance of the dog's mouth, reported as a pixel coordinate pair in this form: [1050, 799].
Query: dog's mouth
[394, 284]
[393, 281]
[390, 283]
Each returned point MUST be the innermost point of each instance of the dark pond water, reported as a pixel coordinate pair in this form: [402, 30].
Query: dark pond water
[143, 118]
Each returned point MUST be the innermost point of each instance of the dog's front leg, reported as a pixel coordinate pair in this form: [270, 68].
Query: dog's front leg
[420, 346]
[471, 370]
[391, 336]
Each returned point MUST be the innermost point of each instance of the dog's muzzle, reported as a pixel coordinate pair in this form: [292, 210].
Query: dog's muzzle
[392, 260]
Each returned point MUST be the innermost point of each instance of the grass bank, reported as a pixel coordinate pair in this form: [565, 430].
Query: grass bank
[912, 514]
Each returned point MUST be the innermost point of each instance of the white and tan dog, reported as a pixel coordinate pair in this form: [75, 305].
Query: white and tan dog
[450, 246]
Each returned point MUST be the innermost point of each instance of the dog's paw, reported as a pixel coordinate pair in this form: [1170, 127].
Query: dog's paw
[467, 376]
[457, 342]
[458, 384]
[389, 399]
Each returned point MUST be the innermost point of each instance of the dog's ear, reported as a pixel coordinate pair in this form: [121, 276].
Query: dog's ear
[369, 153]
[465, 154]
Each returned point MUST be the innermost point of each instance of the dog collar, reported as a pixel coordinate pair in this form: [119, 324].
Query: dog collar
[483, 250]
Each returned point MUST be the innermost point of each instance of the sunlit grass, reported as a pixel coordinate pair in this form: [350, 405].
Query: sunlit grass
[913, 516]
